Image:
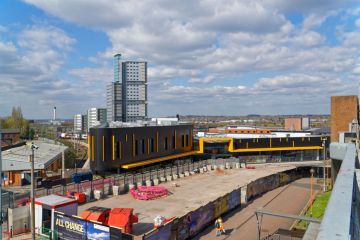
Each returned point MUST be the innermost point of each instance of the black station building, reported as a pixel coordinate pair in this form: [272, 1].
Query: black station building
[132, 146]
[113, 148]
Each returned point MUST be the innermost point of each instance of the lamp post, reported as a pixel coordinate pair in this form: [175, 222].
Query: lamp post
[312, 171]
[324, 166]
[32, 196]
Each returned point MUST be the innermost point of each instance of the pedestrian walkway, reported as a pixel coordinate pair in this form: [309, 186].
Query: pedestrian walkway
[241, 223]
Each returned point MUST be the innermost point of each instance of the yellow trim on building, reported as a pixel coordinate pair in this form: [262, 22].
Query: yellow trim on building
[277, 149]
[175, 138]
[161, 159]
[113, 148]
[230, 149]
[89, 146]
[247, 149]
[103, 147]
[157, 141]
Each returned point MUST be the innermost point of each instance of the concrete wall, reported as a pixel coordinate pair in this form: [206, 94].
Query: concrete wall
[344, 109]
[19, 220]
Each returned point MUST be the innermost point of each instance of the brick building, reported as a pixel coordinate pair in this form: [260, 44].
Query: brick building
[9, 137]
[344, 109]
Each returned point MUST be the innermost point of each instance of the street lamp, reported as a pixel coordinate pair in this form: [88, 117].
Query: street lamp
[312, 171]
[32, 196]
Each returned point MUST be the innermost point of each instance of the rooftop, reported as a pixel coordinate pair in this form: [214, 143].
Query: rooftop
[18, 158]
[157, 122]
[54, 200]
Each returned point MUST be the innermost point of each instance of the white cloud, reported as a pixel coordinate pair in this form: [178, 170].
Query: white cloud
[207, 79]
[3, 28]
[217, 44]
[357, 23]
[101, 74]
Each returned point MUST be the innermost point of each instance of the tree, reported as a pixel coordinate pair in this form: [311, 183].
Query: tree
[17, 121]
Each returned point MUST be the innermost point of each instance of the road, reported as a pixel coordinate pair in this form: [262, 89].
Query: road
[241, 223]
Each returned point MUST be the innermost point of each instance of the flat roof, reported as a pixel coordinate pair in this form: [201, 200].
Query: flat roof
[142, 124]
[54, 200]
[16, 159]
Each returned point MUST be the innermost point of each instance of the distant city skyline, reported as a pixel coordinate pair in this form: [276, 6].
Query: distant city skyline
[204, 57]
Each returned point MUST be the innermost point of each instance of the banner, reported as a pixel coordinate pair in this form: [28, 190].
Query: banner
[284, 178]
[166, 232]
[262, 185]
[72, 228]
[234, 199]
[201, 217]
[221, 206]
[184, 227]
[69, 228]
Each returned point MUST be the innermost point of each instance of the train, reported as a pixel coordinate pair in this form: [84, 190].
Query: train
[73, 136]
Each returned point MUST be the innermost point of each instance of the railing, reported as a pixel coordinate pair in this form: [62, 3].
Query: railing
[341, 219]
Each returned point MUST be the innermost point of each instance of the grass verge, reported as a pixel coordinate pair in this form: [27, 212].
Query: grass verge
[318, 209]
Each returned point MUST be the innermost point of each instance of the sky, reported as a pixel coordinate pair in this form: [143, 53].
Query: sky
[206, 57]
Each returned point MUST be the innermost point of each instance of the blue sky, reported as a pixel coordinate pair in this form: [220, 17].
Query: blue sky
[205, 57]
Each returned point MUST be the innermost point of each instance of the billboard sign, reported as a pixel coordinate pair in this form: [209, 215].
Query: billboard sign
[69, 228]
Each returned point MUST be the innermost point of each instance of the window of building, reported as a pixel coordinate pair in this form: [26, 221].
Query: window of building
[173, 142]
[182, 140]
[166, 143]
[187, 140]
[136, 147]
[152, 144]
[117, 150]
[143, 146]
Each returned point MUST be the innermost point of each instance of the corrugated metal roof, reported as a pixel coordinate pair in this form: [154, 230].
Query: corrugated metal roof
[16, 159]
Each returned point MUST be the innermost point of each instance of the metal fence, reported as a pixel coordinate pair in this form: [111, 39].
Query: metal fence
[11, 199]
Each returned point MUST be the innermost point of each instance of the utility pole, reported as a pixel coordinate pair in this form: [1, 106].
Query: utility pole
[1, 219]
[32, 160]
[324, 166]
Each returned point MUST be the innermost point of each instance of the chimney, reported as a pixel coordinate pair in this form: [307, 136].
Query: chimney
[54, 117]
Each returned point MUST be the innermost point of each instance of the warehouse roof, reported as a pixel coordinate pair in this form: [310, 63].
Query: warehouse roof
[18, 158]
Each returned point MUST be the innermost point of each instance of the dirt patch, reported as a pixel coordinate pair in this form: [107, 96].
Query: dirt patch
[221, 172]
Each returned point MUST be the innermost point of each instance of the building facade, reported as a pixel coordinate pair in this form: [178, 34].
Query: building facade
[127, 95]
[96, 116]
[9, 137]
[114, 148]
[344, 109]
[78, 123]
[114, 103]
